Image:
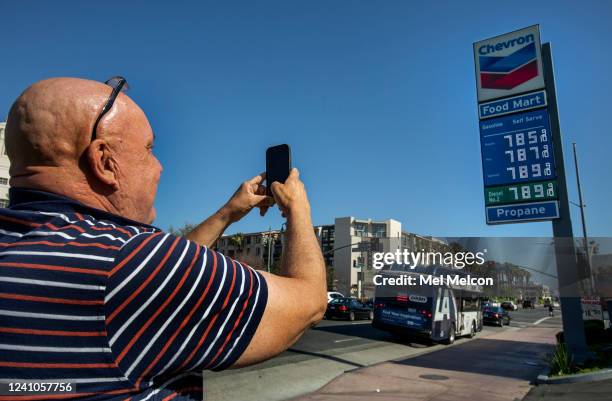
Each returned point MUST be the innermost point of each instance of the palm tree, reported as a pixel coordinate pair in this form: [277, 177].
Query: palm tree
[237, 240]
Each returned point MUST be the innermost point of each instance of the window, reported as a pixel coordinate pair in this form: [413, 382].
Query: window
[3, 181]
[258, 239]
[4, 202]
[470, 304]
[442, 293]
[257, 251]
[379, 230]
[360, 230]
[248, 240]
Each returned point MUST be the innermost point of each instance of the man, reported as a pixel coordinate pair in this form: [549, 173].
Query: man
[93, 296]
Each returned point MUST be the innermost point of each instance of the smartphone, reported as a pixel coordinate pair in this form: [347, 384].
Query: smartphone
[278, 165]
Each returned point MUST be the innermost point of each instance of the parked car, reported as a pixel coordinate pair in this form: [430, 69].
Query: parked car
[489, 304]
[496, 315]
[509, 305]
[527, 304]
[333, 295]
[348, 308]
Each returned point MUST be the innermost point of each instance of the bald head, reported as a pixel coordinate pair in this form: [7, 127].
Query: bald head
[48, 140]
[50, 123]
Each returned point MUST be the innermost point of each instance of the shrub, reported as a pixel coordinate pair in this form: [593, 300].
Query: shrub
[562, 362]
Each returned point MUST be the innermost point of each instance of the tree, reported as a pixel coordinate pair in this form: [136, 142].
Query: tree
[275, 268]
[237, 240]
[181, 231]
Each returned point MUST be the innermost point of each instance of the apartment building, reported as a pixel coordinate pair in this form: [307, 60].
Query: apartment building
[252, 248]
[355, 241]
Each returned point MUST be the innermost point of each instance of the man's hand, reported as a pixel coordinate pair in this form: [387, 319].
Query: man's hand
[250, 194]
[291, 196]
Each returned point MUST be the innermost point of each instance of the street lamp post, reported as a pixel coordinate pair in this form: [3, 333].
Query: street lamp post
[269, 246]
[587, 253]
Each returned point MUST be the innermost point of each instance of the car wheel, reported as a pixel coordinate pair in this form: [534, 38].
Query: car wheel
[501, 322]
[371, 315]
[352, 316]
[473, 330]
[451, 335]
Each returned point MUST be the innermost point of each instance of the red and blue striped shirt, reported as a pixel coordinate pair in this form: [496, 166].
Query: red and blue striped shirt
[119, 308]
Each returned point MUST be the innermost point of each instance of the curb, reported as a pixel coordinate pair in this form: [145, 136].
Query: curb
[603, 374]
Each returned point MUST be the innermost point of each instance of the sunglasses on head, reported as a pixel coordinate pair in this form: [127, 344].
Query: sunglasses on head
[118, 84]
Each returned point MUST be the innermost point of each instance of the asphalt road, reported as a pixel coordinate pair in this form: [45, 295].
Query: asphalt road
[338, 334]
[332, 338]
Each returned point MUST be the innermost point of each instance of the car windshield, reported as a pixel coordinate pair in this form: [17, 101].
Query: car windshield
[343, 301]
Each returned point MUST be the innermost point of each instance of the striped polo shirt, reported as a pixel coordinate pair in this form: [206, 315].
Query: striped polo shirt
[120, 309]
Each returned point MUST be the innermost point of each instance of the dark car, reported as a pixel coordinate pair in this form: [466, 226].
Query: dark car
[509, 306]
[496, 315]
[348, 308]
[527, 304]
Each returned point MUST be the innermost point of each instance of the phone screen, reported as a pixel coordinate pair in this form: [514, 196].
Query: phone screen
[278, 164]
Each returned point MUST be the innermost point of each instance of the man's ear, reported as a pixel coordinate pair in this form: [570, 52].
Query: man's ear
[101, 163]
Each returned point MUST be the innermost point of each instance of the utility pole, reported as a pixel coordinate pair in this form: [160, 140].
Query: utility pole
[269, 246]
[587, 254]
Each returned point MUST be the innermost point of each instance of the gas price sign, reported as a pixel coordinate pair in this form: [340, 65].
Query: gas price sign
[529, 192]
[519, 168]
[517, 148]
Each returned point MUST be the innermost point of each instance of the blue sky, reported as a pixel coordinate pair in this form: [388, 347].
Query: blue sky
[376, 99]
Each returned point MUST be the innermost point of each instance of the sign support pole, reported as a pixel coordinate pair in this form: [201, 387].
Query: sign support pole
[565, 252]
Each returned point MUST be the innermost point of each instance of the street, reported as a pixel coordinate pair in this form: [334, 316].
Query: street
[334, 347]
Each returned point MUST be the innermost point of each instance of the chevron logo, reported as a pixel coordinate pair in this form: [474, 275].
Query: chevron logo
[509, 71]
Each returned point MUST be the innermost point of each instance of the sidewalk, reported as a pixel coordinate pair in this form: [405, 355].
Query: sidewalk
[595, 391]
[500, 366]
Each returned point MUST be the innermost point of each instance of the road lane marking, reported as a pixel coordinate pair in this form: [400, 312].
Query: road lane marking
[346, 339]
[541, 320]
